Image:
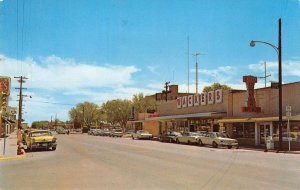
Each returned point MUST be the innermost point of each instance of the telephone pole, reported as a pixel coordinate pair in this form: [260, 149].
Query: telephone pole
[21, 81]
[166, 91]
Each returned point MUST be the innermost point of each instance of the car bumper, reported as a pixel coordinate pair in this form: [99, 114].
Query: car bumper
[43, 145]
[229, 144]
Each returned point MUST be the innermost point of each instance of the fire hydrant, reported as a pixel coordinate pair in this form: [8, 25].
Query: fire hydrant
[20, 150]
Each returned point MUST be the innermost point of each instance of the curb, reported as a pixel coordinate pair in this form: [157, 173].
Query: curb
[11, 158]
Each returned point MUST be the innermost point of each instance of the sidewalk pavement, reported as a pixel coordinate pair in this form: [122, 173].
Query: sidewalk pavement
[10, 148]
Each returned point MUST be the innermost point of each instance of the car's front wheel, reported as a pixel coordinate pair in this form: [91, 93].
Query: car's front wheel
[229, 146]
[53, 148]
[200, 142]
[215, 145]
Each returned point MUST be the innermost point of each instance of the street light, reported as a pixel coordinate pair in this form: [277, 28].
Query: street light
[278, 51]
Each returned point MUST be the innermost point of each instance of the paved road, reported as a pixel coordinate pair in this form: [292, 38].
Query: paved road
[89, 162]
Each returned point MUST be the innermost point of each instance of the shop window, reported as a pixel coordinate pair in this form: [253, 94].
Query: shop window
[244, 130]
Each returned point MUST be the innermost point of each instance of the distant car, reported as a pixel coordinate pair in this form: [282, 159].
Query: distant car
[189, 138]
[169, 136]
[128, 134]
[41, 139]
[61, 131]
[285, 137]
[116, 133]
[90, 132]
[106, 132]
[217, 139]
[142, 134]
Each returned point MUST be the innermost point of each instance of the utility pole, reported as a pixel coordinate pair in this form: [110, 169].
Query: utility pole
[266, 76]
[166, 91]
[21, 81]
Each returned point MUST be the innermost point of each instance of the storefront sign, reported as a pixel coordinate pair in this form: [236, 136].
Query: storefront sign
[209, 98]
[251, 103]
[190, 100]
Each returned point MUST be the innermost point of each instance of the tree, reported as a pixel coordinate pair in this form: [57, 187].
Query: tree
[216, 86]
[141, 103]
[117, 111]
[85, 114]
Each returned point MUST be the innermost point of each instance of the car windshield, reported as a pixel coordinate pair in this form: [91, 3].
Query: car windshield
[222, 135]
[40, 133]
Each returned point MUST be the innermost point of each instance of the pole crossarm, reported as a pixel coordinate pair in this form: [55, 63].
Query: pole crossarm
[252, 43]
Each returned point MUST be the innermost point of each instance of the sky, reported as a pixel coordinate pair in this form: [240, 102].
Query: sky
[99, 50]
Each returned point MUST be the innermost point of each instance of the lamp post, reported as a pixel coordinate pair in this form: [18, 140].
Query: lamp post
[278, 50]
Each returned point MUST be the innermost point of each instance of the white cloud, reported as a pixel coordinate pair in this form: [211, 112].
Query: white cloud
[153, 68]
[56, 73]
[221, 74]
[289, 67]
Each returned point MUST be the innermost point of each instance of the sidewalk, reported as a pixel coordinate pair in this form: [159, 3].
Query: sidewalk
[10, 148]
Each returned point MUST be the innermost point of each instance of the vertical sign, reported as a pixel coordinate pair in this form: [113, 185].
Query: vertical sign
[179, 102]
[210, 97]
[5, 85]
[184, 101]
[190, 101]
[196, 99]
[203, 98]
[218, 96]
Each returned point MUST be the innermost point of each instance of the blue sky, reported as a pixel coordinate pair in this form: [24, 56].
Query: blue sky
[88, 50]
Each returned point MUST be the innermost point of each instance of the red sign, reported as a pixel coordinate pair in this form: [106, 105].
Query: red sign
[4, 85]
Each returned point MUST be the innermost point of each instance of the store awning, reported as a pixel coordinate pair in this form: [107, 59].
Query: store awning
[188, 116]
[254, 119]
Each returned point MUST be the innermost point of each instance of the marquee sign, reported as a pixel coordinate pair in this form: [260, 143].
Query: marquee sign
[209, 98]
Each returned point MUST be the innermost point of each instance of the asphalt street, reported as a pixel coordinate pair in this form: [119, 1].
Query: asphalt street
[93, 162]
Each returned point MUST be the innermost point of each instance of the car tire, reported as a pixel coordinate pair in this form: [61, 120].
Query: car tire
[177, 141]
[200, 143]
[53, 148]
[229, 146]
[215, 145]
[132, 137]
[188, 142]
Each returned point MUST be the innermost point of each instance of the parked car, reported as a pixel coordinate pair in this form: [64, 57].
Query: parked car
[169, 136]
[106, 132]
[128, 134]
[41, 139]
[216, 139]
[90, 132]
[188, 138]
[116, 133]
[142, 134]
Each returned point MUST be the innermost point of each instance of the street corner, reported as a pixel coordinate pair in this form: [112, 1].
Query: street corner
[12, 158]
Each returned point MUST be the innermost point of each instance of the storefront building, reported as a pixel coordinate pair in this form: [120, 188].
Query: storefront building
[251, 115]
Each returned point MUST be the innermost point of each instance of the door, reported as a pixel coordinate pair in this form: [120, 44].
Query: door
[264, 131]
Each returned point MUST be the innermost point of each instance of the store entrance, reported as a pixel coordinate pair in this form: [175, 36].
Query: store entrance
[264, 131]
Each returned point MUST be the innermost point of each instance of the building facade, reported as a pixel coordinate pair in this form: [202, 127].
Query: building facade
[251, 115]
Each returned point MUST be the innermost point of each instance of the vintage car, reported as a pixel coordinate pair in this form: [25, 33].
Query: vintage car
[188, 138]
[142, 134]
[116, 133]
[41, 139]
[169, 136]
[216, 139]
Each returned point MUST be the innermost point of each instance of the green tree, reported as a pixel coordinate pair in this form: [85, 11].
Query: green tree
[216, 86]
[141, 103]
[85, 114]
[117, 111]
